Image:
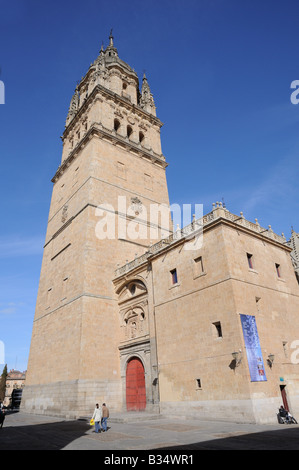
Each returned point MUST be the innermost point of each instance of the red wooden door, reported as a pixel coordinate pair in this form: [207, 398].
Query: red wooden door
[135, 386]
[284, 397]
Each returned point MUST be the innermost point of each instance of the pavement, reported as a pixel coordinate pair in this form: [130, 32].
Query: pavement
[152, 435]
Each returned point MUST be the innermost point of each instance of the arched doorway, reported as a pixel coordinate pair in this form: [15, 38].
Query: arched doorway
[135, 385]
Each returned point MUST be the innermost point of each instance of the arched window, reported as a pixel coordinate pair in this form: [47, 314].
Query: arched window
[116, 125]
[129, 131]
[141, 137]
[133, 289]
[130, 289]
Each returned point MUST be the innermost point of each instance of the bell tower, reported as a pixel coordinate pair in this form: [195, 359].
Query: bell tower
[112, 172]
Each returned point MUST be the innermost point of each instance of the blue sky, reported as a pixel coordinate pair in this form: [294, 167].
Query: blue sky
[220, 72]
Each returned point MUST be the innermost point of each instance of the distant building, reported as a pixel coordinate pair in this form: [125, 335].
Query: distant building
[15, 380]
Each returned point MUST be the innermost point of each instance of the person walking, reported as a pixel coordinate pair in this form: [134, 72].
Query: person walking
[105, 416]
[97, 416]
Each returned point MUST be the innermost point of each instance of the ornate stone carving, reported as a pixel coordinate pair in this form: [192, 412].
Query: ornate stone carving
[136, 205]
[131, 120]
[118, 113]
[146, 98]
[74, 106]
[64, 215]
[134, 321]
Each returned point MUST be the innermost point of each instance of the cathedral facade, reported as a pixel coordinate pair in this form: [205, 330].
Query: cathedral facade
[131, 311]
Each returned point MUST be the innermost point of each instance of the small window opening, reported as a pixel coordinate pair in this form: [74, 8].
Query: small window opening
[129, 131]
[257, 303]
[278, 270]
[116, 124]
[124, 86]
[133, 289]
[198, 266]
[218, 329]
[148, 183]
[121, 170]
[141, 137]
[198, 383]
[250, 260]
[174, 276]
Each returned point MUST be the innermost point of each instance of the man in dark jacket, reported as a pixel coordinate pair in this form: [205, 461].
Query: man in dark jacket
[105, 416]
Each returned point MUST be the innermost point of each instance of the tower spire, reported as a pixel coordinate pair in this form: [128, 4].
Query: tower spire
[111, 38]
[111, 50]
[147, 100]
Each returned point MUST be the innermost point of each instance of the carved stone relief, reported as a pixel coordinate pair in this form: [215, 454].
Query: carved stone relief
[64, 215]
[136, 205]
[134, 310]
[134, 324]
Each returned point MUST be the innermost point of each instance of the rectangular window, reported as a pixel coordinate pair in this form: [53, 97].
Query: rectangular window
[49, 295]
[278, 270]
[198, 383]
[121, 170]
[75, 176]
[198, 266]
[64, 288]
[258, 304]
[174, 276]
[60, 193]
[250, 260]
[148, 182]
[217, 329]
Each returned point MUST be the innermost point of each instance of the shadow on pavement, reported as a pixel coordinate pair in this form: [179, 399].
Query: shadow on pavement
[57, 435]
[48, 436]
[285, 439]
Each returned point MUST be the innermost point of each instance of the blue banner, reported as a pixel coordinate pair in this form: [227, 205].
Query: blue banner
[253, 349]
